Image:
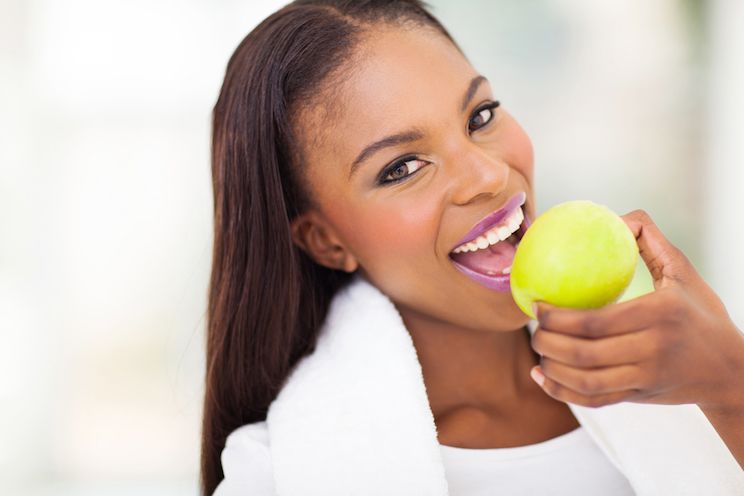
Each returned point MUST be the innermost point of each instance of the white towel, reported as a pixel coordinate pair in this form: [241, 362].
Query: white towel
[353, 418]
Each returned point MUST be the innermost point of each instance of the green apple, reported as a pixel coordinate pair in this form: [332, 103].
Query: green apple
[577, 254]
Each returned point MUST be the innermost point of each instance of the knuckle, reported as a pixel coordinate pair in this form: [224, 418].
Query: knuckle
[591, 326]
[642, 215]
[583, 357]
[589, 385]
[587, 325]
[678, 254]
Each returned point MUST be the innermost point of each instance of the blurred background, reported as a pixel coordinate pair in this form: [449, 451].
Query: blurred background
[105, 194]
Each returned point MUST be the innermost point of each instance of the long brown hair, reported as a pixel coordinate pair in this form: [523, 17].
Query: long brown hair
[267, 298]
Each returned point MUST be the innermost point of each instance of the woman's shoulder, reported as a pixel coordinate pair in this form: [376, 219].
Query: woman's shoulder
[246, 462]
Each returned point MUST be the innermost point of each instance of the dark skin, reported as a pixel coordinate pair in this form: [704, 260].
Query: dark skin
[461, 163]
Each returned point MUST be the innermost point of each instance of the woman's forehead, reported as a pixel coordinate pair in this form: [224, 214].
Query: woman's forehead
[401, 78]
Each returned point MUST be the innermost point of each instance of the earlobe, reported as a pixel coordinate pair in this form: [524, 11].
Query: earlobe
[316, 238]
[350, 263]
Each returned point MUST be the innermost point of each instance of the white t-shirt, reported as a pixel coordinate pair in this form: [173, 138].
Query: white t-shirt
[570, 464]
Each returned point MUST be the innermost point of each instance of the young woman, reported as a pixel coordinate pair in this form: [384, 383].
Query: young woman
[352, 351]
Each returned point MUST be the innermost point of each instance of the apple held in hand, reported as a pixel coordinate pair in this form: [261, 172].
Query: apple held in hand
[578, 254]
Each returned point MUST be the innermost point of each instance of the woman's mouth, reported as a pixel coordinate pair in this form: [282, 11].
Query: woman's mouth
[487, 258]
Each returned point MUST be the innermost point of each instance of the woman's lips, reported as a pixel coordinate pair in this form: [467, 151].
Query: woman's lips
[493, 218]
[500, 283]
[496, 282]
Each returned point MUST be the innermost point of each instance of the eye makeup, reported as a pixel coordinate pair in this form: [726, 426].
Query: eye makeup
[401, 162]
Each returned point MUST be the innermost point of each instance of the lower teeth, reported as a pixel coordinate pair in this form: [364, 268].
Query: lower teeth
[503, 272]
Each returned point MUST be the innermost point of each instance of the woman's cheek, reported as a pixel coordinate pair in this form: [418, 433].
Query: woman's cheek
[396, 233]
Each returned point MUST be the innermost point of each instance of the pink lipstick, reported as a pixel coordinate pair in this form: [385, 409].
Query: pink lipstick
[489, 266]
[493, 218]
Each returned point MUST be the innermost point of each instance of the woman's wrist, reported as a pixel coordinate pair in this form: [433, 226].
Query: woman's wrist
[728, 398]
[727, 414]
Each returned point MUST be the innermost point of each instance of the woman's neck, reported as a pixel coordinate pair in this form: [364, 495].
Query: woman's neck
[471, 368]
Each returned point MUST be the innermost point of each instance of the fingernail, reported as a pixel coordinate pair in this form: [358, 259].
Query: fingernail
[537, 376]
[534, 309]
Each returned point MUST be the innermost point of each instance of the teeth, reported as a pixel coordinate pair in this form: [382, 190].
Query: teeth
[504, 232]
[495, 234]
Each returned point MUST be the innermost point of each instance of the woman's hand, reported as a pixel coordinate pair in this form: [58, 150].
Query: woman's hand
[675, 345]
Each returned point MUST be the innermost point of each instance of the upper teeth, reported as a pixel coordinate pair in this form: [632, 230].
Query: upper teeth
[497, 233]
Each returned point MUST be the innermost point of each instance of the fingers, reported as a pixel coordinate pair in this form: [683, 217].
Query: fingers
[589, 353]
[615, 319]
[665, 262]
[592, 381]
[592, 388]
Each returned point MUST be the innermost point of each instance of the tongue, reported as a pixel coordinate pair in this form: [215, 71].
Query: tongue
[489, 261]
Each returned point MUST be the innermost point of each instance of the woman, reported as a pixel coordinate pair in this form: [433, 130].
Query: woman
[351, 350]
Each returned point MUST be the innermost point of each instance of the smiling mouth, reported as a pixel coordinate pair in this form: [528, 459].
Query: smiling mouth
[487, 259]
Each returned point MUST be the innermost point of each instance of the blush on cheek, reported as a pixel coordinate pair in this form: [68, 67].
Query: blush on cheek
[393, 234]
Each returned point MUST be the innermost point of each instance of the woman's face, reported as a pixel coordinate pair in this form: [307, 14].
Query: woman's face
[460, 162]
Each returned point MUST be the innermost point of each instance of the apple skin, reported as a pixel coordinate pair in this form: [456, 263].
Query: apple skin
[578, 254]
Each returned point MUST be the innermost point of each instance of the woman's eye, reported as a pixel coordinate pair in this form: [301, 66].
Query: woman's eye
[482, 116]
[402, 169]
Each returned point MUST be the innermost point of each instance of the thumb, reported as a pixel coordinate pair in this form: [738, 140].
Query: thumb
[666, 263]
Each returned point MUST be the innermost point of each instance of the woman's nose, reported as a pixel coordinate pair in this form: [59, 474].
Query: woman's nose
[475, 174]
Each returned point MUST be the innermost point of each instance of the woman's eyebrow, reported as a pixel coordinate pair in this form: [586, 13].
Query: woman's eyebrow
[388, 141]
[472, 88]
[410, 135]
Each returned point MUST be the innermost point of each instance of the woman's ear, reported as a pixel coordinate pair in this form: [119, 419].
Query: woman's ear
[314, 235]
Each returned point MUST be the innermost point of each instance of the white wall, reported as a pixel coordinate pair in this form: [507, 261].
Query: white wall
[105, 222]
[723, 169]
